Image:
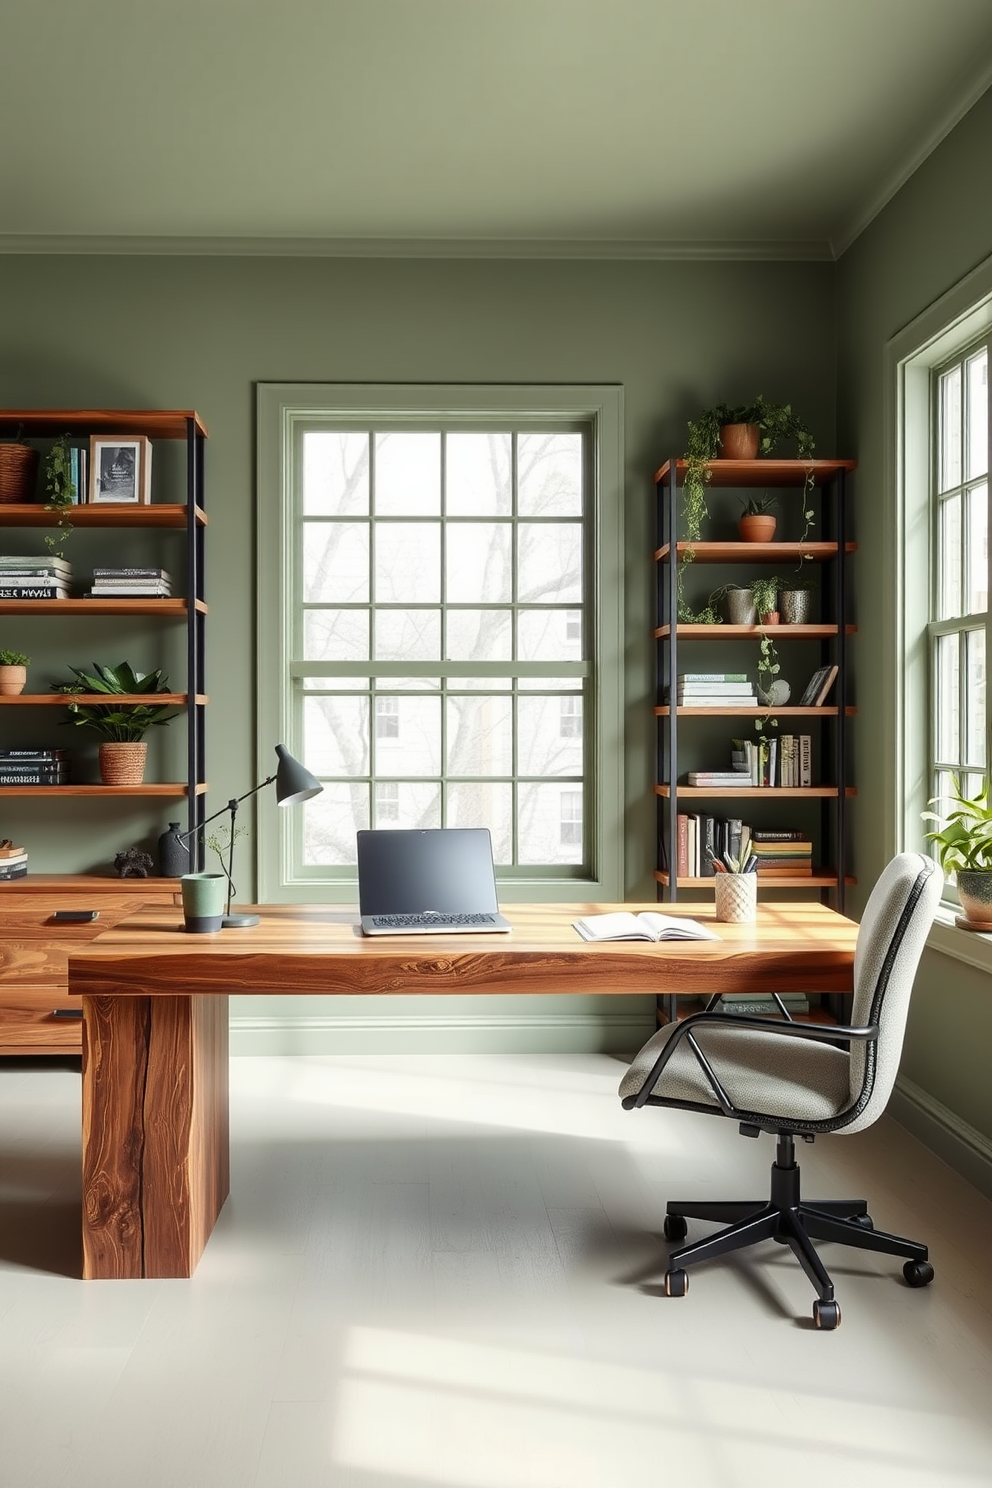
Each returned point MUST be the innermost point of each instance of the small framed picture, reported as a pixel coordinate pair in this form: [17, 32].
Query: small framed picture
[120, 468]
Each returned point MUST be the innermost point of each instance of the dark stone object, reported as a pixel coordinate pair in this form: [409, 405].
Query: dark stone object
[173, 855]
[133, 863]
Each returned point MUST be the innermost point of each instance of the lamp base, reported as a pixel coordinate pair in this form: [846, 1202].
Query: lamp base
[239, 921]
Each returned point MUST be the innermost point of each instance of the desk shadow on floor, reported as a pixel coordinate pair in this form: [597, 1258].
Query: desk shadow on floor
[41, 1214]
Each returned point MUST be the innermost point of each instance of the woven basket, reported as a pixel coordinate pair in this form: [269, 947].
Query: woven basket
[122, 764]
[18, 470]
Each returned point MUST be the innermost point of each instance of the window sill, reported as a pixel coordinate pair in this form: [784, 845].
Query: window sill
[970, 946]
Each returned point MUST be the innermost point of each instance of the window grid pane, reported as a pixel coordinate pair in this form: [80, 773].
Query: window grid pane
[509, 561]
[959, 731]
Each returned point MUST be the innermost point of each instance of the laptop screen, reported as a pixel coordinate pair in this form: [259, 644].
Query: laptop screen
[449, 869]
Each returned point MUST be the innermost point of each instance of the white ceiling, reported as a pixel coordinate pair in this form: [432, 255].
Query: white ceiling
[578, 126]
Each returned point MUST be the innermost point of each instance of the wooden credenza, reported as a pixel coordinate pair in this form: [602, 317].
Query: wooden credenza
[34, 952]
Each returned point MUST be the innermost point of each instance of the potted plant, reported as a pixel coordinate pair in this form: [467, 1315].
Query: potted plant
[122, 728]
[13, 672]
[964, 847]
[772, 689]
[794, 597]
[60, 491]
[708, 440]
[739, 603]
[764, 592]
[756, 522]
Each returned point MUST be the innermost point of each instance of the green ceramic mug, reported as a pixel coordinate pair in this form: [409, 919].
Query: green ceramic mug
[203, 901]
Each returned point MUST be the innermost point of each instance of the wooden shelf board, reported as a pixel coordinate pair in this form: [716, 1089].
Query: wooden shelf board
[762, 472]
[172, 608]
[114, 699]
[101, 514]
[819, 879]
[745, 552]
[751, 792]
[157, 423]
[732, 632]
[161, 789]
[749, 712]
[45, 883]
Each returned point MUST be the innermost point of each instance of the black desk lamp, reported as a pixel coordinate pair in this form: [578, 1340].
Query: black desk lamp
[294, 783]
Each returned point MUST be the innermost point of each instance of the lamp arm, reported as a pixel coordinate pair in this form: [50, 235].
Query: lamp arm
[231, 806]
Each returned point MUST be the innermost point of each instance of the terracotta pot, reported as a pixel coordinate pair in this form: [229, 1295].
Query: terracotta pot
[123, 764]
[738, 442]
[757, 528]
[771, 618]
[12, 680]
[975, 893]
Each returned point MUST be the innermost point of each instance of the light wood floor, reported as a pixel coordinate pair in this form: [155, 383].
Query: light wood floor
[445, 1270]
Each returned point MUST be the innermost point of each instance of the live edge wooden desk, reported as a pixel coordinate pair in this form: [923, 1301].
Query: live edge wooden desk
[155, 1018]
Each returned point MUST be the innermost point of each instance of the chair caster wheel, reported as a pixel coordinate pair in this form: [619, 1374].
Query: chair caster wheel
[826, 1315]
[675, 1227]
[676, 1283]
[918, 1273]
[865, 1221]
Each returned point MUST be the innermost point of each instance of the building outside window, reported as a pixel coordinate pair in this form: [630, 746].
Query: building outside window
[443, 661]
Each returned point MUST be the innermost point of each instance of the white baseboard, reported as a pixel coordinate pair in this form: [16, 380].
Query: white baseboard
[520, 1033]
[962, 1146]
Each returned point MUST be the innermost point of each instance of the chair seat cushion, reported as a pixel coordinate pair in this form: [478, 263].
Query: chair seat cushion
[763, 1073]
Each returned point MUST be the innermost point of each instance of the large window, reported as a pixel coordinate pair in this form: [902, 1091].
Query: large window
[960, 600]
[447, 657]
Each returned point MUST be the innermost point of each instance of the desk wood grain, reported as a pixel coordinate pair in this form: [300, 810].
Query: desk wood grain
[155, 1017]
[311, 949]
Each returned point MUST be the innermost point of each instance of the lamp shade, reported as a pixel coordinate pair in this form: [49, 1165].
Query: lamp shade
[293, 781]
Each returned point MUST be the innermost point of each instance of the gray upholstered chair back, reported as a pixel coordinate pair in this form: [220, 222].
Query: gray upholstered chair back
[891, 938]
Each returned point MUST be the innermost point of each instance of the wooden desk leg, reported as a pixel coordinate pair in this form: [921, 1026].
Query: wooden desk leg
[156, 1149]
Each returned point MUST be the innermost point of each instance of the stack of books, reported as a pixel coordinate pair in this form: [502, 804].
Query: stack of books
[783, 761]
[13, 860]
[782, 854]
[130, 583]
[762, 1006]
[34, 577]
[715, 690]
[34, 767]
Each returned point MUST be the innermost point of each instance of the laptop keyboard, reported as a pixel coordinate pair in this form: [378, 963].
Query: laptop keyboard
[417, 921]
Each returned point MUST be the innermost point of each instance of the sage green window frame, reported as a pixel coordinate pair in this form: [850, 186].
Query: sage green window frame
[947, 632]
[283, 412]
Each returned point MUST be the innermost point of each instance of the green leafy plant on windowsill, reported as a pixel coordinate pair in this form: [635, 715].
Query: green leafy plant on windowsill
[127, 725]
[60, 490]
[964, 838]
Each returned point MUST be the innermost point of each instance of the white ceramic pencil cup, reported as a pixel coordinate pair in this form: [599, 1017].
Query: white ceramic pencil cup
[736, 897]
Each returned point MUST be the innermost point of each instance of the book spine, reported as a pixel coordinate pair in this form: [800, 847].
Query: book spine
[6, 755]
[682, 837]
[32, 591]
[34, 777]
[715, 677]
[13, 873]
[734, 836]
[708, 853]
[760, 835]
[805, 759]
[130, 573]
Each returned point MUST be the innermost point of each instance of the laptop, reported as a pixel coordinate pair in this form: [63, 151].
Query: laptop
[439, 880]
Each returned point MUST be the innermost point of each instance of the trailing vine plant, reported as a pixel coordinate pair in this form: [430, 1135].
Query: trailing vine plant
[61, 491]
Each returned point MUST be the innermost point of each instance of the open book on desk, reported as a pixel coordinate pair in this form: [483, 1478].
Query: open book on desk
[648, 925]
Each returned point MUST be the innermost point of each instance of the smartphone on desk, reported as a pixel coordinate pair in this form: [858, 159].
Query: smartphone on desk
[73, 916]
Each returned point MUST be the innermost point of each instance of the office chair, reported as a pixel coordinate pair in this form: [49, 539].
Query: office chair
[799, 1080]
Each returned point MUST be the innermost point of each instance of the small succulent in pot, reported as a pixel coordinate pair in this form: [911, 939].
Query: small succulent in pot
[13, 672]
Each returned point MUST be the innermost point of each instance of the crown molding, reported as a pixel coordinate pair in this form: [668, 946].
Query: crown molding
[626, 250]
[965, 100]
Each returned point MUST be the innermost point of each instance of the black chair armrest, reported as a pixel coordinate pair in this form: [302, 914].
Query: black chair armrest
[825, 1032]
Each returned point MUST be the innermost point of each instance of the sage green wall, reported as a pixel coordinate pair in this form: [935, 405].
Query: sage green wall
[933, 232]
[135, 332]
